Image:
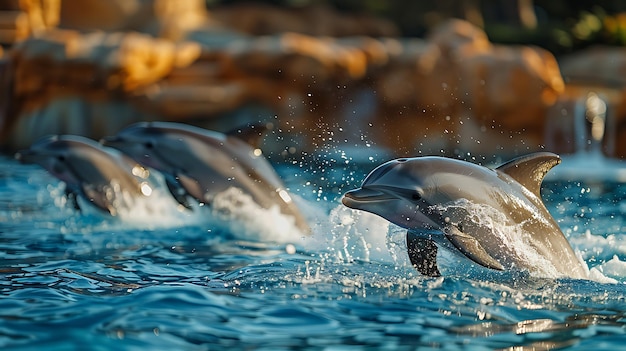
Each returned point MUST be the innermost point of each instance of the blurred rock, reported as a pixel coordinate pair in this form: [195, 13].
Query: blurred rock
[114, 61]
[348, 82]
[605, 65]
[510, 86]
[64, 65]
[481, 97]
[163, 18]
[313, 20]
[21, 18]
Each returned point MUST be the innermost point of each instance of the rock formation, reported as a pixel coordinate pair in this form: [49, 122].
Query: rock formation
[324, 79]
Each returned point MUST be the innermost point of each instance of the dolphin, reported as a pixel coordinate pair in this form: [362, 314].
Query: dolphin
[201, 163]
[105, 177]
[485, 215]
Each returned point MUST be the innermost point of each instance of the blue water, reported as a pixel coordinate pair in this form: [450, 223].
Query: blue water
[230, 279]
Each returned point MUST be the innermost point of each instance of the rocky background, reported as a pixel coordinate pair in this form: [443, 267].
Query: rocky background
[492, 78]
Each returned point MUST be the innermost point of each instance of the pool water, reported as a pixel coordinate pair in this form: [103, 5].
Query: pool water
[232, 277]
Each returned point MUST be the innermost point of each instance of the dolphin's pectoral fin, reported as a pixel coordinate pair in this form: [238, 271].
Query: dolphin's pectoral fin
[99, 199]
[178, 193]
[471, 248]
[423, 254]
[530, 170]
[191, 186]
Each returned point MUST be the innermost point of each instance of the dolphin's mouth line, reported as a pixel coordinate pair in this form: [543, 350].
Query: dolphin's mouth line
[378, 193]
[364, 195]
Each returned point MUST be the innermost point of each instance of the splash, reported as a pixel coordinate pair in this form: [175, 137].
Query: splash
[156, 211]
[396, 242]
[358, 235]
[232, 211]
[245, 219]
[606, 251]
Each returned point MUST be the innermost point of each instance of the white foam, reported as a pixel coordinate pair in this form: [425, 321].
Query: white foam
[614, 268]
[598, 248]
[245, 219]
[591, 246]
[232, 210]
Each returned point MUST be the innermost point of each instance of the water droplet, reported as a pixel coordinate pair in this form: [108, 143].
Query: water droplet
[290, 249]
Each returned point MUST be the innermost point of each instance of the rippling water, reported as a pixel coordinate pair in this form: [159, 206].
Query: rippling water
[228, 278]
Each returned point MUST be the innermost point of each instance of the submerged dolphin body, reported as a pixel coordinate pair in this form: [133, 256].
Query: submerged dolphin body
[203, 163]
[105, 177]
[483, 214]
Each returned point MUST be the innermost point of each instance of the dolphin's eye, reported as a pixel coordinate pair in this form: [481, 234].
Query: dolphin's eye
[61, 158]
[149, 145]
[417, 195]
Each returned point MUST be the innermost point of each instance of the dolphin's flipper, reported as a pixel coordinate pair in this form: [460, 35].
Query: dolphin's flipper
[530, 170]
[471, 248]
[423, 254]
[192, 187]
[179, 193]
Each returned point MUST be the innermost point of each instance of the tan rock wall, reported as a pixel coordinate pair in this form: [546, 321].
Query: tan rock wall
[453, 92]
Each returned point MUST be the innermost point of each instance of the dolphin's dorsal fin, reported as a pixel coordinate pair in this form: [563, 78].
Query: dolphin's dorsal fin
[530, 170]
[471, 248]
[423, 254]
[252, 133]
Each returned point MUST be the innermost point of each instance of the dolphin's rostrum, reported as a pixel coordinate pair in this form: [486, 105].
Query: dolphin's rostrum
[463, 207]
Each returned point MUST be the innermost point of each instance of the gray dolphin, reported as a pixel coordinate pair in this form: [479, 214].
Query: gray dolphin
[103, 176]
[203, 163]
[464, 207]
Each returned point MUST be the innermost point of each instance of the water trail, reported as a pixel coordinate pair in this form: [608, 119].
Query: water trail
[231, 211]
[156, 211]
[245, 219]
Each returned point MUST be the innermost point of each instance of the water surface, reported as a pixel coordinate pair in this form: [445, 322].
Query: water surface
[231, 279]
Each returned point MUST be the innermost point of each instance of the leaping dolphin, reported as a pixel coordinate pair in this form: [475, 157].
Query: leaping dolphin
[481, 213]
[203, 163]
[105, 177]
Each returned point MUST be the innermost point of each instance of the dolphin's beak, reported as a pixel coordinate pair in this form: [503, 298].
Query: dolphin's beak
[358, 196]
